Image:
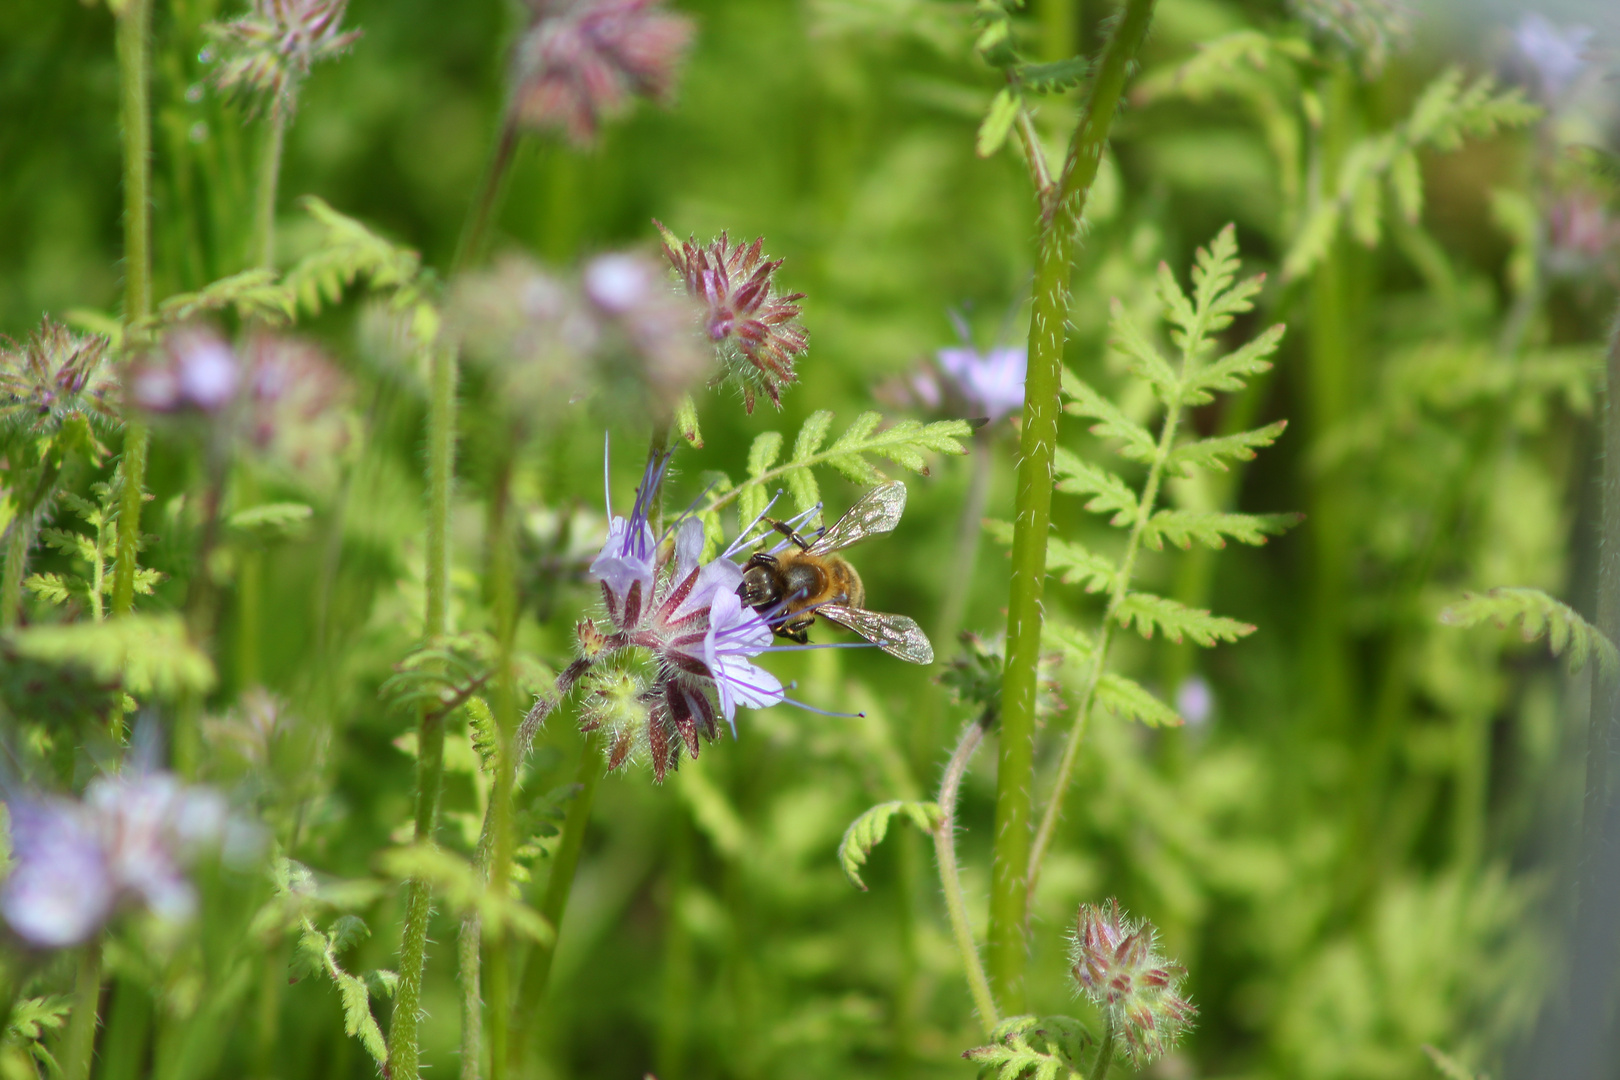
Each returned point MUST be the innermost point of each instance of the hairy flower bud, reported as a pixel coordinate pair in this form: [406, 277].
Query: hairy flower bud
[53, 376]
[582, 61]
[754, 329]
[264, 54]
[1118, 968]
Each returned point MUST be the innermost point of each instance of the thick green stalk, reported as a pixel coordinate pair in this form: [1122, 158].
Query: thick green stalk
[79, 1043]
[1059, 237]
[134, 66]
[1099, 660]
[555, 903]
[1105, 1049]
[950, 877]
[17, 539]
[1601, 722]
[1060, 28]
[264, 208]
[503, 589]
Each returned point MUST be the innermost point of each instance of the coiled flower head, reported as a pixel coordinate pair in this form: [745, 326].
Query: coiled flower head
[582, 61]
[754, 329]
[1118, 968]
[265, 54]
[53, 377]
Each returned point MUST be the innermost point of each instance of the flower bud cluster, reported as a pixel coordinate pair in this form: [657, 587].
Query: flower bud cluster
[53, 376]
[266, 53]
[582, 61]
[754, 329]
[126, 844]
[1118, 968]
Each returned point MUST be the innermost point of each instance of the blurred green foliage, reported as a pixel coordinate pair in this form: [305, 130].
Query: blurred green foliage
[1353, 845]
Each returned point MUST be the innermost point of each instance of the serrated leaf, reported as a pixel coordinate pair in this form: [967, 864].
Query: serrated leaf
[1053, 77]
[1229, 372]
[1539, 616]
[1214, 453]
[1112, 423]
[1110, 493]
[464, 889]
[1151, 613]
[867, 832]
[1131, 700]
[997, 122]
[49, 587]
[763, 454]
[254, 294]
[812, 433]
[686, 421]
[150, 653]
[271, 519]
[1144, 357]
[1013, 1055]
[349, 250]
[1072, 562]
[1077, 646]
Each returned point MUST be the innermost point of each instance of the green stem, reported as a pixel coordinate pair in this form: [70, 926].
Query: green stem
[1059, 237]
[1105, 1049]
[555, 903]
[1099, 661]
[1060, 28]
[950, 877]
[79, 1043]
[134, 29]
[503, 589]
[264, 209]
[17, 540]
[490, 192]
[469, 972]
[1601, 722]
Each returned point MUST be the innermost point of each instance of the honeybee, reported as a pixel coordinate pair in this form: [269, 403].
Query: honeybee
[805, 579]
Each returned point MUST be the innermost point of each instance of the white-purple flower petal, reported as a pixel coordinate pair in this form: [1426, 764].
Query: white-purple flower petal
[735, 634]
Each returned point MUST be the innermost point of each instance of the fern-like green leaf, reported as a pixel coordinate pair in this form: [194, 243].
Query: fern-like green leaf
[1144, 357]
[1231, 371]
[1110, 494]
[1151, 613]
[32, 1017]
[321, 951]
[1054, 77]
[998, 121]
[1215, 452]
[1130, 699]
[1013, 1053]
[151, 653]
[464, 889]
[271, 520]
[1539, 615]
[348, 251]
[49, 587]
[867, 832]
[1073, 564]
[253, 294]
[761, 456]
[1112, 423]
[1182, 527]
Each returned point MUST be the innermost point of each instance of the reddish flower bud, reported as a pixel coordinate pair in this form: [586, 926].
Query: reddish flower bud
[1118, 968]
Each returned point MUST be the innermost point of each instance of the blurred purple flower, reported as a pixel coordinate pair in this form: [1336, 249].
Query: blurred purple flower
[1195, 701]
[986, 384]
[1581, 233]
[127, 842]
[581, 61]
[1556, 57]
[195, 369]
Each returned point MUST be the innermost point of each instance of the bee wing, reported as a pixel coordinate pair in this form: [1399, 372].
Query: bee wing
[876, 512]
[897, 635]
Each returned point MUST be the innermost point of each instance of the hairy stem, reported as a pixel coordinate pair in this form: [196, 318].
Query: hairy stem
[264, 207]
[1105, 1048]
[950, 877]
[503, 588]
[1059, 237]
[17, 540]
[555, 904]
[79, 1043]
[490, 190]
[134, 68]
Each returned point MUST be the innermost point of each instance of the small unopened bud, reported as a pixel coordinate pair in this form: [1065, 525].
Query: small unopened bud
[591, 640]
[1117, 966]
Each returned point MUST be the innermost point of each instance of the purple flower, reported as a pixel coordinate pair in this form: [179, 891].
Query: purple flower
[127, 842]
[195, 369]
[991, 383]
[1556, 57]
[60, 889]
[1195, 701]
[735, 635]
[625, 564]
[581, 61]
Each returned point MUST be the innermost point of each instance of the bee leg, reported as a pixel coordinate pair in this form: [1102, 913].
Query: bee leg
[787, 530]
[796, 630]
